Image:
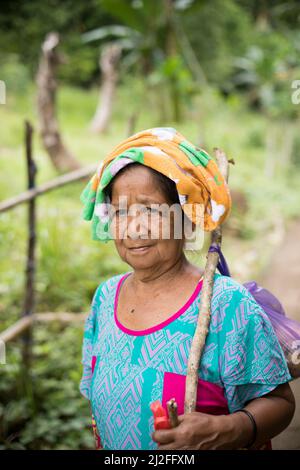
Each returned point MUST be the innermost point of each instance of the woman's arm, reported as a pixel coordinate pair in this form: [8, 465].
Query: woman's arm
[199, 431]
[272, 412]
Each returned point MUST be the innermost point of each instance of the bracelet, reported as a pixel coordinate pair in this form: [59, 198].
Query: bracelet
[251, 417]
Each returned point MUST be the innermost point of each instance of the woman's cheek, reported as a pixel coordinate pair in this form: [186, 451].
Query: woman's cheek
[155, 229]
[118, 228]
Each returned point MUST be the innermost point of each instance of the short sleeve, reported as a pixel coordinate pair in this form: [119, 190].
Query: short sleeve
[87, 344]
[252, 362]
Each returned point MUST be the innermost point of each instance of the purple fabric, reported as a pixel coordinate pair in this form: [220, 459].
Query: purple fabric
[287, 330]
[222, 265]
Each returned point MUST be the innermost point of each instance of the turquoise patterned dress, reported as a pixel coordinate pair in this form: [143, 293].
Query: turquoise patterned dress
[242, 359]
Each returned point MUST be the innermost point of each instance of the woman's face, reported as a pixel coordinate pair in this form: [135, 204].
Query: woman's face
[143, 229]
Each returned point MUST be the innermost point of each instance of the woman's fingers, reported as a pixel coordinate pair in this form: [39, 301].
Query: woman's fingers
[167, 447]
[167, 437]
[164, 436]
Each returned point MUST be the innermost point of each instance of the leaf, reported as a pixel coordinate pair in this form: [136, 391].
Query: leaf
[123, 10]
[105, 31]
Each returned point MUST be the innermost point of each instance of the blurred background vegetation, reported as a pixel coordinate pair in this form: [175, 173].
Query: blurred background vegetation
[220, 72]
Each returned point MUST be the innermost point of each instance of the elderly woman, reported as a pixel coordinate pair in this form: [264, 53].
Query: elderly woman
[141, 323]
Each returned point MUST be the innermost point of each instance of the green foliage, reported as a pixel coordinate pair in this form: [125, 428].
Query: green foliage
[234, 45]
[265, 72]
[218, 31]
[48, 411]
[14, 73]
[177, 83]
[143, 32]
[24, 25]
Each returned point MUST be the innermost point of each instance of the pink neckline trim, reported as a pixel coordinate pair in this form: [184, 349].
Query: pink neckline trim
[161, 325]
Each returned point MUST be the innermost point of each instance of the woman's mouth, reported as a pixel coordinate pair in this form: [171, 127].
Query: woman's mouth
[140, 249]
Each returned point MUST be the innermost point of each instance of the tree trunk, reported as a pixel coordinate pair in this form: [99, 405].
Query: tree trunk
[60, 156]
[108, 63]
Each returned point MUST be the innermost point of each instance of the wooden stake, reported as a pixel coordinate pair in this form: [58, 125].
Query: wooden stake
[172, 411]
[30, 264]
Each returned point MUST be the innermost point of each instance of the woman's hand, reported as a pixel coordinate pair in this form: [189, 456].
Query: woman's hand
[201, 431]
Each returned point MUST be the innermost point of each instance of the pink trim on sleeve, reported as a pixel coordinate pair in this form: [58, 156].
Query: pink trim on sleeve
[93, 363]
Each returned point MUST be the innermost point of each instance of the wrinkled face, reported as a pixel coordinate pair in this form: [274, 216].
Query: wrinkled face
[144, 227]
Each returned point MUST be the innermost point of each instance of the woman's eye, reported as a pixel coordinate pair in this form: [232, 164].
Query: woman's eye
[121, 212]
[153, 210]
[145, 210]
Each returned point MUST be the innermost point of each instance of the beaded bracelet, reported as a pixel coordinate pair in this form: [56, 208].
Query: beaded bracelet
[251, 417]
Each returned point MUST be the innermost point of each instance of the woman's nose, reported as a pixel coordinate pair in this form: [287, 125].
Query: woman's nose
[137, 227]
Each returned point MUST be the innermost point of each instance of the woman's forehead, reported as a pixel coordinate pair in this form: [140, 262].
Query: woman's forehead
[143, 186]
[142, 198]
[139, 174]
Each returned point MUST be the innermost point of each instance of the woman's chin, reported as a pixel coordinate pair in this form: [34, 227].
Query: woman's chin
[140, 258]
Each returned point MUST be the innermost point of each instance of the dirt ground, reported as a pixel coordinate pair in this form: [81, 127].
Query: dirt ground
[282, 278]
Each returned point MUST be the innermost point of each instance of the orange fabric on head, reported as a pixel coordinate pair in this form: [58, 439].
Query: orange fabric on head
[196, 175]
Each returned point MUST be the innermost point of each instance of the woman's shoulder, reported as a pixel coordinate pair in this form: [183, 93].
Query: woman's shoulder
[226, 288]
[248, 348]
[233, 304]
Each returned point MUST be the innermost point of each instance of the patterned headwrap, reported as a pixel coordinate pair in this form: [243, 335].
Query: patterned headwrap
[196, 175]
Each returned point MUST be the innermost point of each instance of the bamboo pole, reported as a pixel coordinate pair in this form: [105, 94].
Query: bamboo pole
[202, 327]
[18, 328]
[62, 317]
[62, 180]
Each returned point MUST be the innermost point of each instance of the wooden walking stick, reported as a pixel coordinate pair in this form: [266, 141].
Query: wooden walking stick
[202, 327]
